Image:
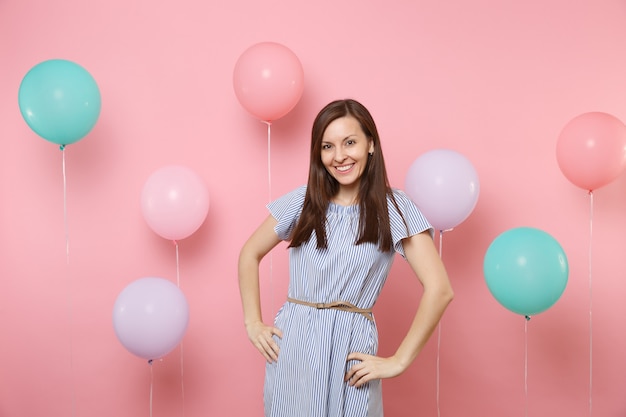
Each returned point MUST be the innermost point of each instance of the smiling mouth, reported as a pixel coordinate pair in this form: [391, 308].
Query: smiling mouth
[344, 168]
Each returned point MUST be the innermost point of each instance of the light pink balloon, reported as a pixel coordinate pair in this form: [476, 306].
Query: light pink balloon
[150, 317]
[591, 150]
[174, 202]
[269, 80]
[444, 185]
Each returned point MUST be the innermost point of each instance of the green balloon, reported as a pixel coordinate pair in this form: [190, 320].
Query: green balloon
[526, 270]
[60, 101]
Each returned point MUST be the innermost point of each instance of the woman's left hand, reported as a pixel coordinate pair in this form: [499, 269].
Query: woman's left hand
[371, 367]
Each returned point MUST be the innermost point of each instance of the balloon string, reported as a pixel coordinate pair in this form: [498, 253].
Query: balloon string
[151, 384]
[70, 312]
[182, 381]
[269, 160]
[177, 265]
[441, 232]
[590, 305]
[439, 333]
[269, 199]
[526, 364]
[441, 244]
[67, 234]
[70, 301]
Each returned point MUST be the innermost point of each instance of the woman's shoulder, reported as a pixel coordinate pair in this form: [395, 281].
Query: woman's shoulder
[295, 197]
[286, 210]
[402, 204]
[400, 196]
[298, 192]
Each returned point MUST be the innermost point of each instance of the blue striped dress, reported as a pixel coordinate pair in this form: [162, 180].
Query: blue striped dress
[308, 378]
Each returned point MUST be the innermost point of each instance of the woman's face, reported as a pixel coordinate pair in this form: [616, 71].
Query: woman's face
[345, 150]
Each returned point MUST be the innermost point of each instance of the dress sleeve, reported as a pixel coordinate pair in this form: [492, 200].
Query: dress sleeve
[286, 210]
[415, 220]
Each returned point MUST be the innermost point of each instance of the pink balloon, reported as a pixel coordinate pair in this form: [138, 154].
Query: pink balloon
[150, 317]
[268, 80]
[445, 187]
[174, 202]
[591, 150]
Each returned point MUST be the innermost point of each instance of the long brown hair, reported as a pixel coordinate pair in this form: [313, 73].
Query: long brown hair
[374, 185]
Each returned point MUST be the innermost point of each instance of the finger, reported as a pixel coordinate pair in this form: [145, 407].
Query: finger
[269, 337]
[271, 347]
[357, 377]
[273, 350]
[277, 332]
[353, 371]
[263, 352]
[359, 356]
[267, 350]
[362, 381]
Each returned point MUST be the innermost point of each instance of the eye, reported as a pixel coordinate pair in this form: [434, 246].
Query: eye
[325, 146]
[350, 142]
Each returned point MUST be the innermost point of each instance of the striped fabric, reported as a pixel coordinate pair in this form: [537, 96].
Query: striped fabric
[308, 378]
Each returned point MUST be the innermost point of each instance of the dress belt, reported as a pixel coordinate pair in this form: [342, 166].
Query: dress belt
[336, 305]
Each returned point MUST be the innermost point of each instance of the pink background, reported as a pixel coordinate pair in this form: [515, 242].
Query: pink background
[494, 80]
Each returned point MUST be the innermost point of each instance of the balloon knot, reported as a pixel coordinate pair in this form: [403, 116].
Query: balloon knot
[149, 361]
[527, 318]
[62, 147]
[174, 242]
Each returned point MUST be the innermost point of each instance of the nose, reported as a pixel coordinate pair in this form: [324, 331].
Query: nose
[340, 155]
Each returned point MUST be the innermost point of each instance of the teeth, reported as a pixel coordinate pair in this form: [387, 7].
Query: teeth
[344, 168]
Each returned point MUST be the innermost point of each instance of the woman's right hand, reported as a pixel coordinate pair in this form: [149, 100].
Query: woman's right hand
[262, 338]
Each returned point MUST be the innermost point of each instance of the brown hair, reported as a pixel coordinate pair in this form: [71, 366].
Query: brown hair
[374, 186]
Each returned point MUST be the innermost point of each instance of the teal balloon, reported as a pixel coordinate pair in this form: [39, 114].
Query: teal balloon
[526, 270]
[60, 101]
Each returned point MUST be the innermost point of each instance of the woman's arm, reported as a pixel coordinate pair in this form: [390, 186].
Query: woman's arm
[250, 256]
[426, 263]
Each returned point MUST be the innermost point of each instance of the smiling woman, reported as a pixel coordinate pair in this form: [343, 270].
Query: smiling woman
[343, 229]
[345, 154]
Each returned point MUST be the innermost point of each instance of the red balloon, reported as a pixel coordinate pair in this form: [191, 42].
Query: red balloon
[591, 150]
[268, 80]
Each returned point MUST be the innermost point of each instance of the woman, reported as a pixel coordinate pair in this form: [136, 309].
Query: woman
[343, 228]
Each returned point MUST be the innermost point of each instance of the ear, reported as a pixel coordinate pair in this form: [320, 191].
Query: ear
[371, 150]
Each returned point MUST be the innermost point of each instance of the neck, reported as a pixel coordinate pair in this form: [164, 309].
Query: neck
[346, 198]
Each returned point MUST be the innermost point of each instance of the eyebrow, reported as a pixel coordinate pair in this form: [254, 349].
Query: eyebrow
[347, 137]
